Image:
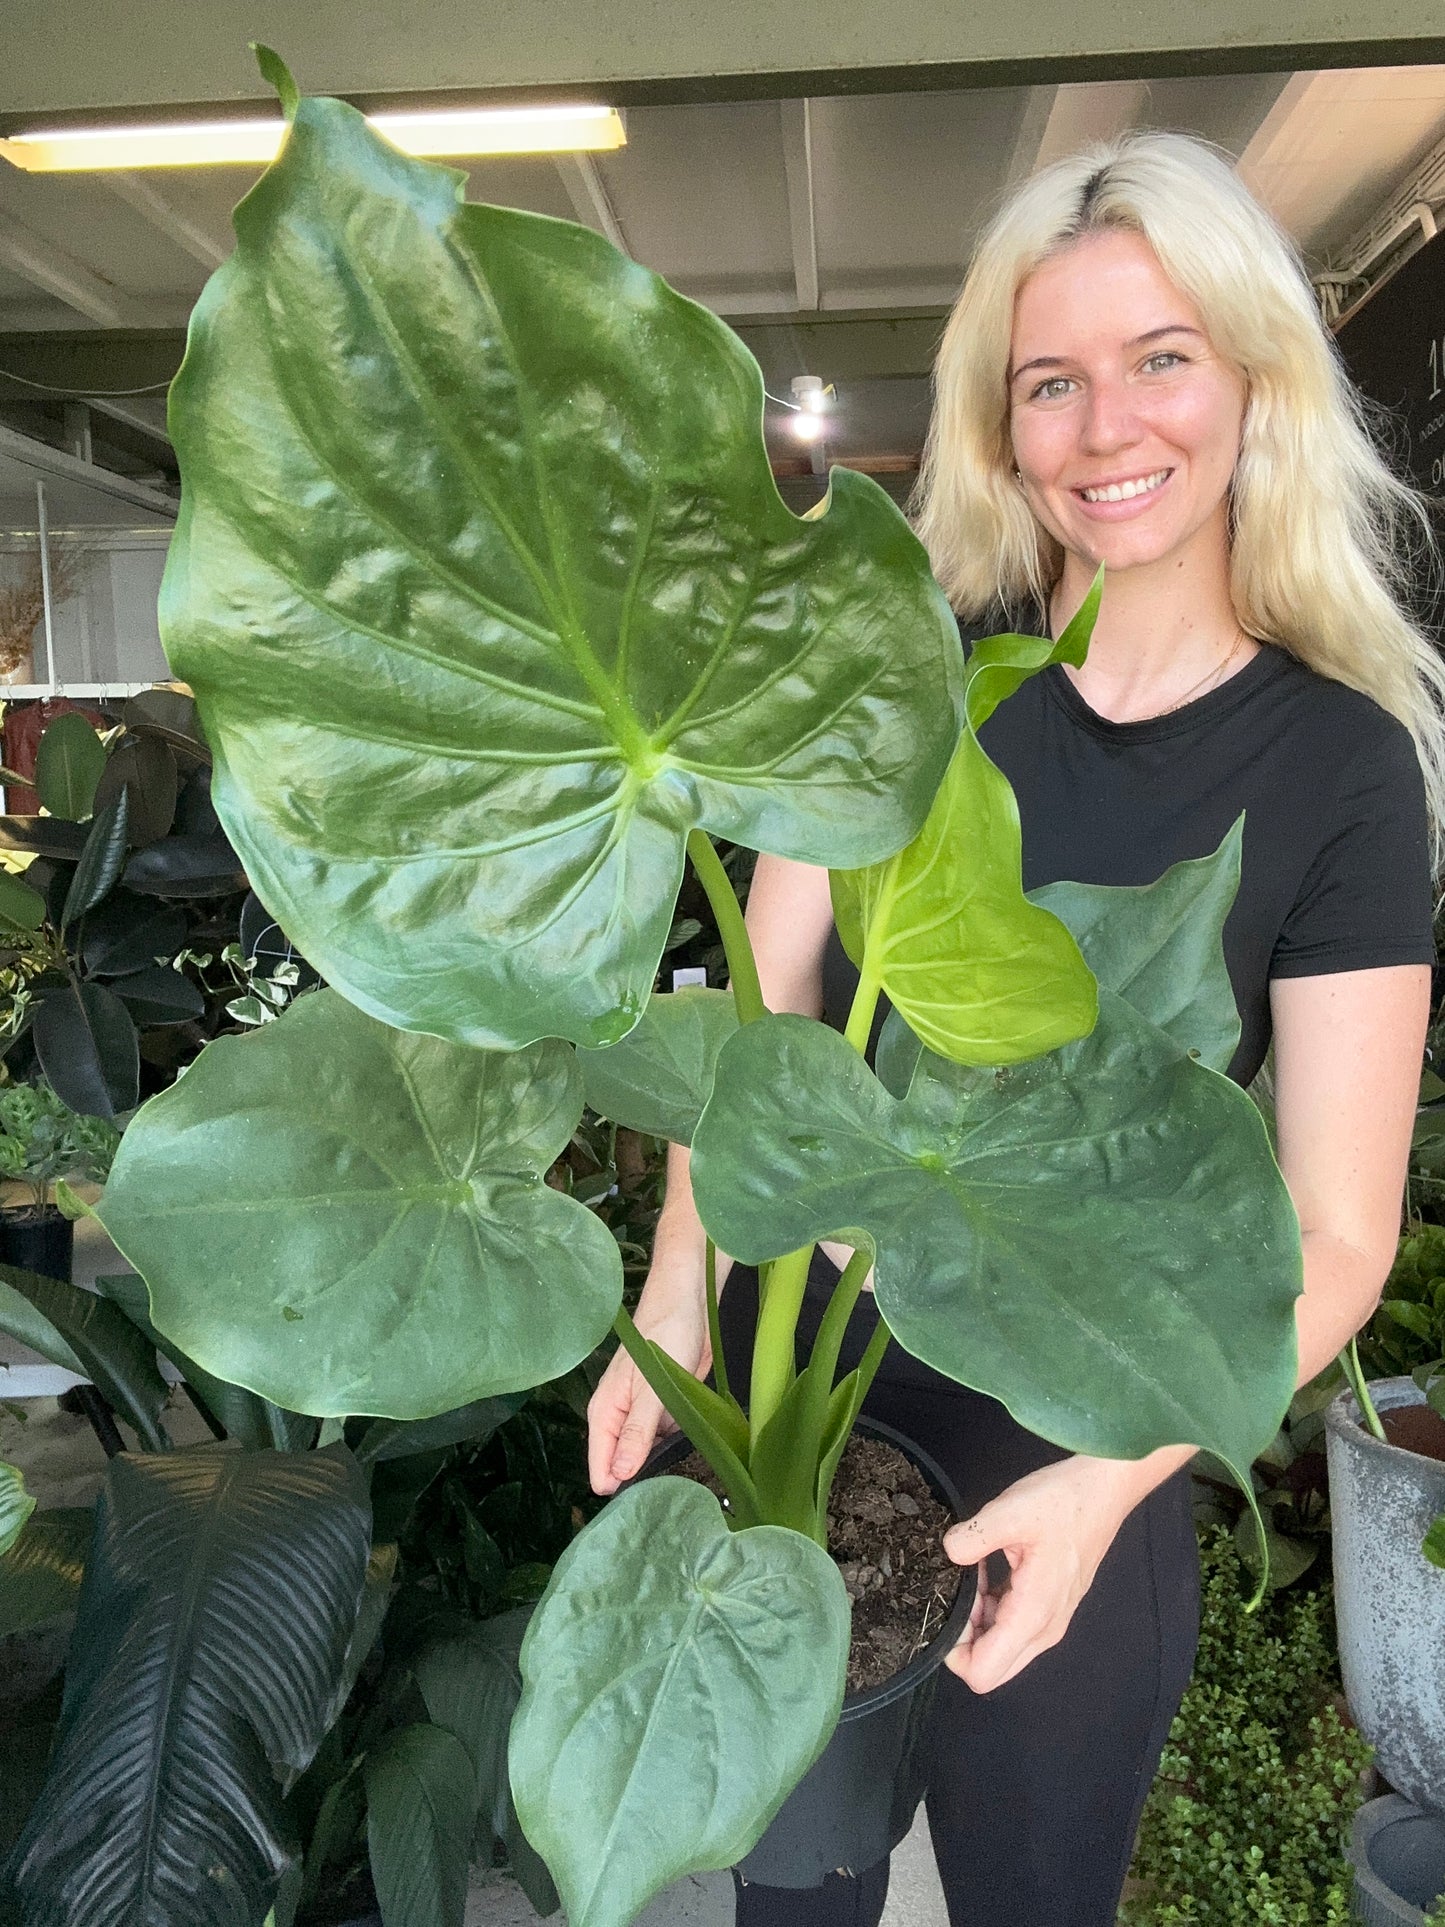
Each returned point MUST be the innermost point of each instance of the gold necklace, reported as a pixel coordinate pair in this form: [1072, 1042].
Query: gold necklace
[1213, 676]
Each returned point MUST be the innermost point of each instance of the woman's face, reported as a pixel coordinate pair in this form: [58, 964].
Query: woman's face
[1125, 421]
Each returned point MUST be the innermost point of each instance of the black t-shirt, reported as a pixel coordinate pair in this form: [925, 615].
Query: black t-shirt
[1335, 873]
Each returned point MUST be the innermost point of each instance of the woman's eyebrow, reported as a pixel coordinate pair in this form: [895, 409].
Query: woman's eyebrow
[1139, 341]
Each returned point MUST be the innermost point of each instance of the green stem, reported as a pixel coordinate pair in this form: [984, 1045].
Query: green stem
[714, 1325]
[1354, 1372]
[742, 965]
[834, 1322]
[860, 1013]
[774, 1348]
[872, 1358]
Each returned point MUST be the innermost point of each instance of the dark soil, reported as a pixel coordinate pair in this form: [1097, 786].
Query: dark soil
[885, 1530]
[1416, 1428]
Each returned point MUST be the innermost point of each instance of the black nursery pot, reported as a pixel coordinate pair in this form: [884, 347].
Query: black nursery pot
[857, 1801]
[41, 1241]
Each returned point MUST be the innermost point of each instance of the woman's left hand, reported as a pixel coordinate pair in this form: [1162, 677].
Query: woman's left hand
[1054, 1527]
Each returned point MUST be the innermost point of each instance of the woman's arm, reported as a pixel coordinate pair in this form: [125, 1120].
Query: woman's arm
[1347, 1052]
[789, 917]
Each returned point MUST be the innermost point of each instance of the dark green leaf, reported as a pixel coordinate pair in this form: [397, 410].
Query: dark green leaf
[159, 995]
[347, 1218]
[218, 1602]
[47, 836]
[68, 765]
[16, 1505]
[144, 772]
[1415, 1318]
[1161, 948]
[658, 1078]
[107, 1347]
[677, 1669]
[1433, 1544]
[40, 1575]
[545, 610]
[87, 1046]
[21, 908]
[101, 861]
[1101, 1238]
[1289, 1558]
[166, 716]
[388, 1438]
[186, 866]
[420, 1813]
[129, 932]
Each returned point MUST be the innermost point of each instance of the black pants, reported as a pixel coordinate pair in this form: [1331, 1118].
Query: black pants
[1035, 1789]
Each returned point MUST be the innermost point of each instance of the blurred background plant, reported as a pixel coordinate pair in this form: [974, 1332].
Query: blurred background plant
[42, 1139]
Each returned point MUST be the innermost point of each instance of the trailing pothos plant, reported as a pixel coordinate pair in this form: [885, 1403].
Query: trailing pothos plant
[493, 614]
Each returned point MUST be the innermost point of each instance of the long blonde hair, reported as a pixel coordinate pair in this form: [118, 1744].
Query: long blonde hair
[1323, 533]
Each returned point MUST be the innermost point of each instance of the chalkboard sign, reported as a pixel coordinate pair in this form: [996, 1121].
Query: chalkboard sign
[1394, 348]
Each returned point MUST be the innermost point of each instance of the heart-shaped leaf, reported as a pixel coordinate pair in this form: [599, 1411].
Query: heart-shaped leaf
[1161, 947]
[189, 1686]
[544, 612]
[16, 1505]
[1100, 1238]
[658, 1078]
[88, 1050]
[69, 763]
[680, 1679]
[348, 1218]
[978, 972]
[41, 1573]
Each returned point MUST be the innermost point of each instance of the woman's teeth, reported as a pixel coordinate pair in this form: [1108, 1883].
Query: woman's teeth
[1122, 491]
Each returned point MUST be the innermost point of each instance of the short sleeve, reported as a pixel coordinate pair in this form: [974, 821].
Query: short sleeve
[1367, 898]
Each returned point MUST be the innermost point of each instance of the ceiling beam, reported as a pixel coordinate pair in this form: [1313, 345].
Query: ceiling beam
[588, 194]
[44, 265]
[148, 201]
[46, 461]
[802, 219]
[1095, 113]
[1033, 127]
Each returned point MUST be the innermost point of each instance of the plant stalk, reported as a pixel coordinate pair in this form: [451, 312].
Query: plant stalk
[775, 1364]
[742, 965]
[1354, 1372]
[714, 1324]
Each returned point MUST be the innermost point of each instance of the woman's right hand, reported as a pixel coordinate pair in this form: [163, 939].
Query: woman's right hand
[624, 1414]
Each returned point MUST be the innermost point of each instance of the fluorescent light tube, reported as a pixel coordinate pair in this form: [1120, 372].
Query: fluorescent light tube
[445, 131]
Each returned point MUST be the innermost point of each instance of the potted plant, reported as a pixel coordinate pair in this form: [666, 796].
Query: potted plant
[42, 1141]
[544, 627]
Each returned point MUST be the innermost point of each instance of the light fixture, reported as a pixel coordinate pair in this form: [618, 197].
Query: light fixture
[810, 394]
[444, 131]
[807, 426]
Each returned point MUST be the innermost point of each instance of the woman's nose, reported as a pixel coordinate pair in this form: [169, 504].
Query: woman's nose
[1109, 420]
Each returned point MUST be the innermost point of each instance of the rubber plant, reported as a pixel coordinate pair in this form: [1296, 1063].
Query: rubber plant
[493, 613]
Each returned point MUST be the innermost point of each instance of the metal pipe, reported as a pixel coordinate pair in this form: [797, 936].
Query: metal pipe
[43, 525]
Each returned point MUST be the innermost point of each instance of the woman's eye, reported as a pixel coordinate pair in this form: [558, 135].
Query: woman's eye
[1166, 358]
[1052, 389]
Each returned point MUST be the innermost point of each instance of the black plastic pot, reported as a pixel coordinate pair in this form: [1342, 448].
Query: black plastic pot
[41, 1241]
[857, 1801]
[1398, 1854]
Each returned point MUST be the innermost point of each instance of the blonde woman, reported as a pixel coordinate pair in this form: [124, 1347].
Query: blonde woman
[1135, 375]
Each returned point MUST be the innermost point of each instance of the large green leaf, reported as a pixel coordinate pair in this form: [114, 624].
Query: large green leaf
[16, 1505]
[68, 764]
[88, 1049]
[543, 611]
[218, 1602]
[680, 1678]
[421, 1809]
[40, 1575]
[658, 1078]
[348, 1218]
[1161, 948]
[128, 933]
[86, 1333]
[1100, 1238]
[979, 973]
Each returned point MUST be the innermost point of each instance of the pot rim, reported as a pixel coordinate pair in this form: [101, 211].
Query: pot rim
[1386, 1810]
[858, 1704]
[1343, 1416]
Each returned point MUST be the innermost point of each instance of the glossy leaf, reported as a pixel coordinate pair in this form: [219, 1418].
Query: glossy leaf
[21, 908]
[1101, 1238]
[420, 1814]
[214, 1617]
[387, 1438]
[978, 972]
[48, 836]
[658, 1078]
[94, 1338]
[1161, 947]
[68, 765]
[145, 773]
[16, 1505]
[41, 1573]
[101, 861]
[347, 1218]
[186, 866]
[88, 1050]
[544, 611]
[167, 716]
[129, 932]
[470, 1682]
[159, 995]
[680, 1678]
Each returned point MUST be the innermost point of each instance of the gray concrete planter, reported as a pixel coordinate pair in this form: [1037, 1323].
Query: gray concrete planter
[1398, 1854]
[1389, 1599]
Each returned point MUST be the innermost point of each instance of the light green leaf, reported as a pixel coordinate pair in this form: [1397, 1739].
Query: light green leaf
[218, 1600]
[1433, 1545]
[1161, 947]
[16, 1505]
[544, 611]
[348, 1218]
[977, 971]
[421, 1809]
[1101, 1238]
[680, 1679]
[41, 1573]
[658, 1078]
[21, 908]
[68, 764]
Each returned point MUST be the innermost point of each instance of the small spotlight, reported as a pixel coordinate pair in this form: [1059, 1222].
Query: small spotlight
[807, 426]
[810, 394]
